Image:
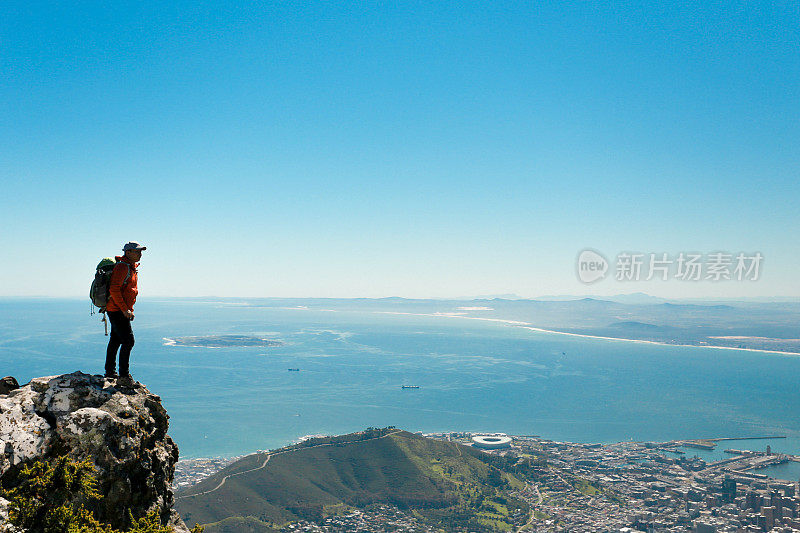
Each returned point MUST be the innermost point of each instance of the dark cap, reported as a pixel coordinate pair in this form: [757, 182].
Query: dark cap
[133, 246]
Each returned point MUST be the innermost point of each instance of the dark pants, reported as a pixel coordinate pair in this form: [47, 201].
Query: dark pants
[121, 335]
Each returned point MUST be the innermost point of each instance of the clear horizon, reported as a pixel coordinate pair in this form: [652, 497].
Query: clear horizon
[415, 150]
[545, 297]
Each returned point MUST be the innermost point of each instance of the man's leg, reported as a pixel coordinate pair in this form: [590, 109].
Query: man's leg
[114, 341]
[126, 345]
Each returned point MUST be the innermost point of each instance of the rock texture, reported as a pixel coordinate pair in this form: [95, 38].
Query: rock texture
[7, 384]
[123, 430]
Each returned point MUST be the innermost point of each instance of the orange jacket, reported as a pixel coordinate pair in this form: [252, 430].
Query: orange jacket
[122, 296]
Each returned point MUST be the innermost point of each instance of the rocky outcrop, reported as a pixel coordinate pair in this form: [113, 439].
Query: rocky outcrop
[7, 384]
[122, 429]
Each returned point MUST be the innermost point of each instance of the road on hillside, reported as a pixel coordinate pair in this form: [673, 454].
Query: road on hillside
[224, 479]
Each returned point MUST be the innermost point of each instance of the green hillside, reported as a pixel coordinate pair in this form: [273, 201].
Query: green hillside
[446, 484]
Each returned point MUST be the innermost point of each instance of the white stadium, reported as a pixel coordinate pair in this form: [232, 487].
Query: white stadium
[495, 441]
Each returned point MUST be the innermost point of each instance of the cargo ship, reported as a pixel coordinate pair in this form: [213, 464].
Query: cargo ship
[409, 386]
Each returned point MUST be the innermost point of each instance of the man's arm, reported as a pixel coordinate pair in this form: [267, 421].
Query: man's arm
[115, 287]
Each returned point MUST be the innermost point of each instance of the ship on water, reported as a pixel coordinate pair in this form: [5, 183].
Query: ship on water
[409, 386]
[294, 370]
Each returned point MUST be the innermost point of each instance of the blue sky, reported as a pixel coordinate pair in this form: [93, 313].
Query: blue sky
[414, 149]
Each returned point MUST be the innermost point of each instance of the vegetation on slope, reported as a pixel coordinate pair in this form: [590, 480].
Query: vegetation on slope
[57, 497]
[447, 484]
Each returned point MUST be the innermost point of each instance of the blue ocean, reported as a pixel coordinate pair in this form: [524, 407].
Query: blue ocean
[473, 375]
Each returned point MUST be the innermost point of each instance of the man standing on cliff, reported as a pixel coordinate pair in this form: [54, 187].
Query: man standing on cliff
[119, 310]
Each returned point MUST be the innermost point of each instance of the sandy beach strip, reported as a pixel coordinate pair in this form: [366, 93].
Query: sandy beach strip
[640, 341]
[455, 315]
[526, 325]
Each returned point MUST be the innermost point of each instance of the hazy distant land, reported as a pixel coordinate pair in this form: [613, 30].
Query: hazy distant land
[221, 341]
[772, 326]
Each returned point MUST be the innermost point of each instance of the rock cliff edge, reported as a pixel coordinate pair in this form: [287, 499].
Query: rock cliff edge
[121, 429]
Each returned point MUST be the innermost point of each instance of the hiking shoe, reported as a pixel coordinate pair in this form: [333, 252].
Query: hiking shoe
[111, 375]
[126, 380]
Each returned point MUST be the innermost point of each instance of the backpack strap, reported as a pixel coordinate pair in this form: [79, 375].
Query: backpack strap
[128, 275]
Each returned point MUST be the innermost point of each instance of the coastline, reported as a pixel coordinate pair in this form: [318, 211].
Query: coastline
[191, 471]
[779, 352]
[527, 325]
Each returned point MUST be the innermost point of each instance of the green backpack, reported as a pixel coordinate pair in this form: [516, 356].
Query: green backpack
[101, 284]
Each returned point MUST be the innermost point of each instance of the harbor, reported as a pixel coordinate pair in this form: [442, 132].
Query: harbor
[768, 462]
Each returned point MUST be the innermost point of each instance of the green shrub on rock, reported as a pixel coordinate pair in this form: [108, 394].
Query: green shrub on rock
[53, 498]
